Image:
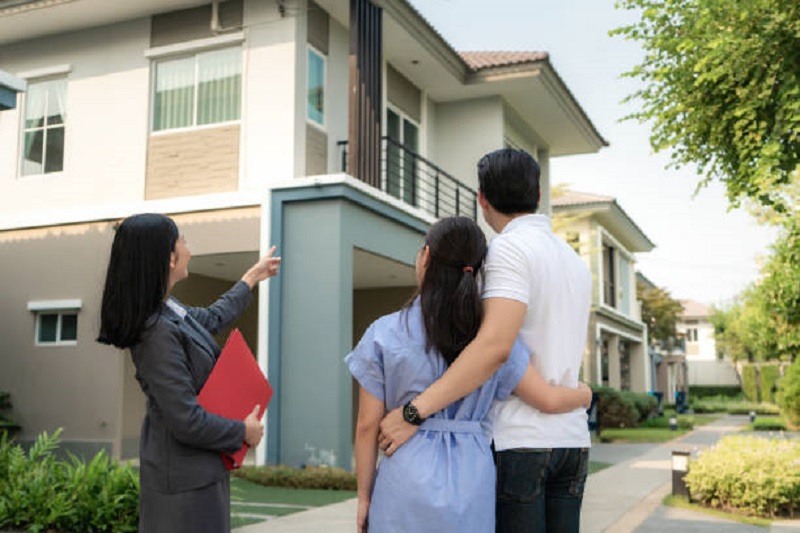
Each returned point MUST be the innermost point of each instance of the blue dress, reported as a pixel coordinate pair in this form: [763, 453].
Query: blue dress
[443, 479]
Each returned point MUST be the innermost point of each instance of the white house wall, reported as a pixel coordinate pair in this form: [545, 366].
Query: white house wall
[336, 96]
[106, 119]
[270, 96]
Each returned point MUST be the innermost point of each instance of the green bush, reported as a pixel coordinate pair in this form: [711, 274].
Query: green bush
[750, 383]
[646, 405]
[753, 475]
[769, 423]
[41, 492]
[788, 396]
[614, 410]
[299, 478]
[769, 377]
[699, 392]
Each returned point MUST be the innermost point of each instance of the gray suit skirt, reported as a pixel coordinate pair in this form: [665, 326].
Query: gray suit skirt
[203, 510]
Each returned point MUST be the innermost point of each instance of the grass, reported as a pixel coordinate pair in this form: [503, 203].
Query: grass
[596, 466]
[259, 503]
[682, 503]
[640, 434]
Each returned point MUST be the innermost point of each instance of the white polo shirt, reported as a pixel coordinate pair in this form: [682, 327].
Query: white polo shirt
[527, 262]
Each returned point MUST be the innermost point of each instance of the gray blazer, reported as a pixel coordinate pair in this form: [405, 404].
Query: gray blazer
[180, 441]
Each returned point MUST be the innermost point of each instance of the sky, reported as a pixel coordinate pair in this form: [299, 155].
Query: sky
[704, 251]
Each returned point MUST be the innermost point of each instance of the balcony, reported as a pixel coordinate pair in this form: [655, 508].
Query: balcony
[416, 181]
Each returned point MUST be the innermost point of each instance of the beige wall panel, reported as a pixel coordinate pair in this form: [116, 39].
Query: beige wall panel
[195, 23]
[403, 94]
[189, 163]
[316, 151]
[74, 387]
[221, 231]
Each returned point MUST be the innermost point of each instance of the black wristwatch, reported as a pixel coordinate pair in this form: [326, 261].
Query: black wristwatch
[411, 415]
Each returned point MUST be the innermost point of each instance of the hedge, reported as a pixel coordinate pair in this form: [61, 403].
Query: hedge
[299, 478]
[750, 383]
[645, 405]
[788, 396]
[614, 410]
[703, 391]
[769, 376]
[749, 474]
[734, 407]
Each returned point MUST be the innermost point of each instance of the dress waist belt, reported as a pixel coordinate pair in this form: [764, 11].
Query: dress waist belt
[452, 426]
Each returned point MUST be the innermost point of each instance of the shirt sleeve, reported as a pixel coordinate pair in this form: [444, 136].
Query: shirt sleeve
[366, 363]
[512, 370]
[505, 272]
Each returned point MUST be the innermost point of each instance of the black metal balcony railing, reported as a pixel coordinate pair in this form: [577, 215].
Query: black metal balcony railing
[416, 181]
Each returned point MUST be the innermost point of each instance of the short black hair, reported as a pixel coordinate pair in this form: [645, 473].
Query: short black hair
[137, 278]
[509, 180]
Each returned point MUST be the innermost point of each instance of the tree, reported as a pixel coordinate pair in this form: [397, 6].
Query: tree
[659, 311]
[722, 90]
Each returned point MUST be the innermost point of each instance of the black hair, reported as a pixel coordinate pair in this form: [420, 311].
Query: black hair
[137, 278]
[509, 180]
[449, 292]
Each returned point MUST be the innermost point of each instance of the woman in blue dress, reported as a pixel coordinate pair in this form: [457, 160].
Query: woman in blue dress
[443, 479]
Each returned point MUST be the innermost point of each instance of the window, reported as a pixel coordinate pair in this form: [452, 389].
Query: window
[316, 87]
[43, 129]
[57, 327]
[201, 89]
[624, 285]
[56, 321]
[609, 285]
[401, 156]
[691, 335]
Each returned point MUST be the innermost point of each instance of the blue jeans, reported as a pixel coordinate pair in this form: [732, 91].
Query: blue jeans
[540, 490]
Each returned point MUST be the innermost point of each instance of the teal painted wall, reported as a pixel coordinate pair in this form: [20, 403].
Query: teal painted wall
[316, 321]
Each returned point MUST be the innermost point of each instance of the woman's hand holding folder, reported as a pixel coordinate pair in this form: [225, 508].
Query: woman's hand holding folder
[253, 428]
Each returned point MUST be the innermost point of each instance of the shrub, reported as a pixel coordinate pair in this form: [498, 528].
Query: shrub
[788, 396]
[721, 404]
[614, 410]
[299, 478]
[748, 474]
[750, 382]
[41, 492]
[646, 405]
[770, 423]
[699, 392]
[769, 377]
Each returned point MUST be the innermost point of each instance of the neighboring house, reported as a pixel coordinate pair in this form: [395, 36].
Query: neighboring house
[337, 130]
[705, 368]
[667, 360]
[10, 86]
[603, 234]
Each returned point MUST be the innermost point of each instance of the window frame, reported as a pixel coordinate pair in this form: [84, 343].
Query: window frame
[193, 53]
[311, 49]
[60, 308]
[33, 78]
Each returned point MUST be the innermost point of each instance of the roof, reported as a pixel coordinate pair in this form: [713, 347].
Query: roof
[574, 198]
[692, 309]
[609, 214]
[481, 60]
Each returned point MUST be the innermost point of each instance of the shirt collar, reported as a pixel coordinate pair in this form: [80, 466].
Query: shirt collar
[536, 220]
[176, 308]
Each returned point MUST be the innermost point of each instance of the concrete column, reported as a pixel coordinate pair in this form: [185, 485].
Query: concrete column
[613, 362]
[639, 366]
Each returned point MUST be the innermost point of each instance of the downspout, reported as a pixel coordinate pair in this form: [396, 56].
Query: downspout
[215, 29]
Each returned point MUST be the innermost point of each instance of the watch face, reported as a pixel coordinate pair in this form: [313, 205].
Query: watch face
[411, 415]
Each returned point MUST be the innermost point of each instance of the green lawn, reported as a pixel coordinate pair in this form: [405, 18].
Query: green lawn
[596, 466]
[251, 503]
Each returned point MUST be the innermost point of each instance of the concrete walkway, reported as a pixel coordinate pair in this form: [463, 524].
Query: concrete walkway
[623, 498]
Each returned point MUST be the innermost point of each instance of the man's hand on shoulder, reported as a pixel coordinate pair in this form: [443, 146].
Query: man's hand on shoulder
[395, 431]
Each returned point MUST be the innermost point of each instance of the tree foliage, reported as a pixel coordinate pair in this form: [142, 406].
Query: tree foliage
[722, 89]
[659, 311]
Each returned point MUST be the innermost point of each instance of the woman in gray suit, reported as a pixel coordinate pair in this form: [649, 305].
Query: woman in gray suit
[184, 484]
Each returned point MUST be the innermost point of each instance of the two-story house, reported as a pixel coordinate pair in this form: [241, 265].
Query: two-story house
[338, 130]
[704, 366]
[603, 234]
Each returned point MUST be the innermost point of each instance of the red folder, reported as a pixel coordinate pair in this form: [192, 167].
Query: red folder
[234, 387]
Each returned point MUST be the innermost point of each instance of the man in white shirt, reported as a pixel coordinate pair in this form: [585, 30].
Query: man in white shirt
[537, 287]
